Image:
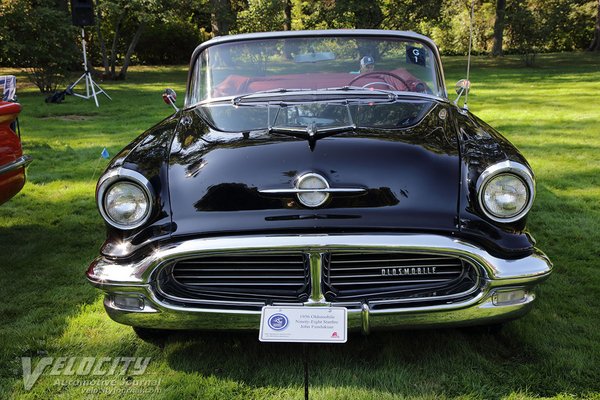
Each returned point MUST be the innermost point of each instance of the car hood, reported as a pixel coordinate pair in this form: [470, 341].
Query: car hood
[410, 177]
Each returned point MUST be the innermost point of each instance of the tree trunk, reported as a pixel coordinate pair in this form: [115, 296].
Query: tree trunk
[131, 49]
[101, 39]
[221, 17]
[499, 28]
[113, 50]
[595, 46]
[287, 16]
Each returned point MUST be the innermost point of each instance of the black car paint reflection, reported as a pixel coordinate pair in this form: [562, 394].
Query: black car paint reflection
[419, 170]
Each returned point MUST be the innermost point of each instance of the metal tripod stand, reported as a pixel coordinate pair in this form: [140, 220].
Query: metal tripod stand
[92, 89]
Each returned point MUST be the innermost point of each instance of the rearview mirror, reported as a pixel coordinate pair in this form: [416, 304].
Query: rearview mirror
[169, 97]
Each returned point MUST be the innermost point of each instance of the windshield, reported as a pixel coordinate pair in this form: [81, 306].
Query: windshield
[316, 63]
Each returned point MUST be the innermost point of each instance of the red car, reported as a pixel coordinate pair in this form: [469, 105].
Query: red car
[12, 160]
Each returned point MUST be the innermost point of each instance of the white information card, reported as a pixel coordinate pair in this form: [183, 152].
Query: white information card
[304, 324]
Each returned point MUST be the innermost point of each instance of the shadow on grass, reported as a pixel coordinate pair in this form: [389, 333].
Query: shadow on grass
[407, 362]
[42, 285]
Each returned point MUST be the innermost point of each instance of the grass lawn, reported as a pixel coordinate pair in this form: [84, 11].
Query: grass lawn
[51, 230]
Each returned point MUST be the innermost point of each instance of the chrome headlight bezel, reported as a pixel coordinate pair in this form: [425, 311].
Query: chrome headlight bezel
[127, 176]
[506, 168]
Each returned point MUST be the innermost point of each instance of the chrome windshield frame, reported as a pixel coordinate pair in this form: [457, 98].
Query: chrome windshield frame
[406, 35]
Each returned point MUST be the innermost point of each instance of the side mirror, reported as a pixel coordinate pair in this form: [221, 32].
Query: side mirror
[463, 86]
[169, 97]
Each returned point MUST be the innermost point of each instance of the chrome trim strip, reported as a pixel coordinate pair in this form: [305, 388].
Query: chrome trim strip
[503, 167]
[326, 190]
[21, 162]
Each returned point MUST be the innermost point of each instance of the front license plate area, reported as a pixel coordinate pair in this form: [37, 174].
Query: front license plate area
[304, 324]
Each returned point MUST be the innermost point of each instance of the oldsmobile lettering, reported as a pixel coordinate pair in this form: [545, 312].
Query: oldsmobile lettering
[402, 271]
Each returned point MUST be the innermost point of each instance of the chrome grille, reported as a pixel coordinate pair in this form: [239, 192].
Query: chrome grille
[395, 275]
[255, 277]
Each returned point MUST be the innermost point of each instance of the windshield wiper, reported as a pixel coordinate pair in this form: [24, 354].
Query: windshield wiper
[320, 94]
[237, 100]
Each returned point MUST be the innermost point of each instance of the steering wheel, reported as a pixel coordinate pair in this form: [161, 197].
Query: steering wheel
[361, 76]
[380, 83]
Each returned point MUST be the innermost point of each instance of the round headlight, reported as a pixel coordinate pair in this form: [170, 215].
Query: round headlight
[506, 191]
[505, 195]
[125, 198]
[126, 204]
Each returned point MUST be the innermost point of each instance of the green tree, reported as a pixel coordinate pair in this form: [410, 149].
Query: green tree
[123, 22]
[38, 36]
[525, 30]
[262, 16]
[411, 15]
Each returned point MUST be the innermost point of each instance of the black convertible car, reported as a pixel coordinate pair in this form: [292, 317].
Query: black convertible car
[320, 169]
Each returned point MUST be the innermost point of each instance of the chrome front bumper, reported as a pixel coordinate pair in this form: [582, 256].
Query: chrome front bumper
[135, 280]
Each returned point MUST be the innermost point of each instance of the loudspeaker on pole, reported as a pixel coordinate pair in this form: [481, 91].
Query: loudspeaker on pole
[82, 12]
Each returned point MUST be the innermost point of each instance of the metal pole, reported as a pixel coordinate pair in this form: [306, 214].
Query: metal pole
[92, 89]
[305, 360]
[471, 17]
[89, 83]
[83, 43]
